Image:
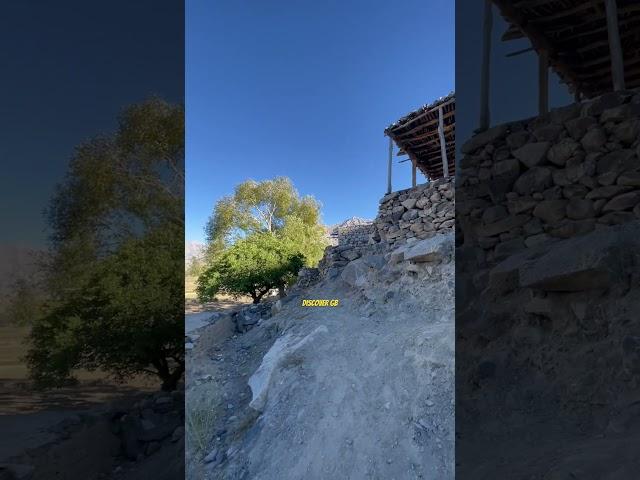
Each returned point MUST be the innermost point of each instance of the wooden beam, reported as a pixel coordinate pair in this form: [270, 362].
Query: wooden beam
[431, 122]
[486, 61]
[443, 145]
[519, 52]
[593, 31]
[543, 82]
[389, 165]
[540, 41]
[617, 63]
[430, 135]
[428, 111]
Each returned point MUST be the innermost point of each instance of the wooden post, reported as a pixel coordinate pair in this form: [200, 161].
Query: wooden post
[486, 61]
[443, 144]
[389, 165]
[543, 82]
[617, 64]
[413, 173]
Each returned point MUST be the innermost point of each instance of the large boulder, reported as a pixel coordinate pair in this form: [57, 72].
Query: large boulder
[434, 249]
[597, 260]
[356, 273]
[592, 261]
[283, 348]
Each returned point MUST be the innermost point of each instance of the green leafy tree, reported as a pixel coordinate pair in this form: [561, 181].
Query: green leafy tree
[271, 206]
[113, 278]
[251, 266]
[194, 267]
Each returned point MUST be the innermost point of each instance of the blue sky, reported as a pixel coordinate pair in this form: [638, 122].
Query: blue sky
[305, 89]
[71, 68]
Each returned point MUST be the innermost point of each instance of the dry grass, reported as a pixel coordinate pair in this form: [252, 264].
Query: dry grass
[190, 288]
[200, 419]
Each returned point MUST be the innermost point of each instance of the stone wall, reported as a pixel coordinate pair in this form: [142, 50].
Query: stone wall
[404, 216]
[355, 235]
[561, 175]
[417, 212]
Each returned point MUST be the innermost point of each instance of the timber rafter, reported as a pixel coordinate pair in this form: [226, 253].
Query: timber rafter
[417, 134]
[575, 36]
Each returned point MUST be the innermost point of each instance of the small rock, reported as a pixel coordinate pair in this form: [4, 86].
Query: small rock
[536, 179]
[532, 154]
[493, 214]
[211, 456]
[579, 208]
[622, 202]
[594, 140]
[629, 179]
[562, 151]
[551, 211]
[409, 203]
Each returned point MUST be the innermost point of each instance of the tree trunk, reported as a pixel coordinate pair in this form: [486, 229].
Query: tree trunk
[170, 381]
[258, 296]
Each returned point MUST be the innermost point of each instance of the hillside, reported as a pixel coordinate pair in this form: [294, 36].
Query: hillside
[360, 390]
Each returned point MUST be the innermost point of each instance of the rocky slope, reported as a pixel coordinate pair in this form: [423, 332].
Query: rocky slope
[549, 338]
[360, 390]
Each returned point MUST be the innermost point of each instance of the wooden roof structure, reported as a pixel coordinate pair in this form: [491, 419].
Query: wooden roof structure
[582, 39]
[423, 133]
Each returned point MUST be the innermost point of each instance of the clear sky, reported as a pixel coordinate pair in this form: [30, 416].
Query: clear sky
[68, 69]
[305, 89]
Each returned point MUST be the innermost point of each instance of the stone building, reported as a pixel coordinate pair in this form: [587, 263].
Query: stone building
[427, 137]
[566, 171]
[547, 215]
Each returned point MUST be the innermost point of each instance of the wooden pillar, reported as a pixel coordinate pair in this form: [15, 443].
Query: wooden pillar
[443, 144]
[389, 165]
[486, 61]
[413, 172]
[615, 48]
[543, 82]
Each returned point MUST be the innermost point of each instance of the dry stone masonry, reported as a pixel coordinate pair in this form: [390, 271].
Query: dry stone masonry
[551, 177]
[355, 234]
[404, 216]
[419, 212]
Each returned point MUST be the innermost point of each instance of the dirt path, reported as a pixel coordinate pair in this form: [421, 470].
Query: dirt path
[198, 315]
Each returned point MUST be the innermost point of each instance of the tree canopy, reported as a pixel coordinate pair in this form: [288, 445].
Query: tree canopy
[251, 266]
[269, 206]
[114, 275]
